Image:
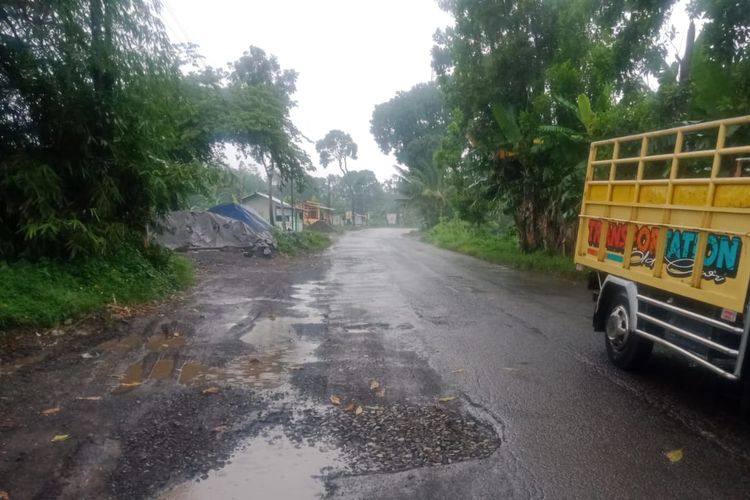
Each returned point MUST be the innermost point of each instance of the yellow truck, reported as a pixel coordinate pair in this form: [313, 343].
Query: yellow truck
[665, 224]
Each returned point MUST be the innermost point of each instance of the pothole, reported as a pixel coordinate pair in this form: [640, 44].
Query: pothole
[402, 436]
[267, 466]
[277, 349]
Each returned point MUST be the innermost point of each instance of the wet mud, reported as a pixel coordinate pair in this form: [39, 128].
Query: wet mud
[226, 388]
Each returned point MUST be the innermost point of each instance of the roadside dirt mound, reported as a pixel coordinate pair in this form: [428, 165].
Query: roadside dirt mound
[184, 230]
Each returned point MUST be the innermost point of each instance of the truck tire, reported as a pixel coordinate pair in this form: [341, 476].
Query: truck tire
[624, 348]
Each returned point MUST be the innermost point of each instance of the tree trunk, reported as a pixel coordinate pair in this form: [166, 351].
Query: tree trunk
[687, 59]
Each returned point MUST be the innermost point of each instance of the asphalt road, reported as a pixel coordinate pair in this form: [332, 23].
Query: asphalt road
[519, 348]
[381, 368]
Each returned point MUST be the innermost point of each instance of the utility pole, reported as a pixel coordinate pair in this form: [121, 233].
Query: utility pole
[294, 210]
[329, 191]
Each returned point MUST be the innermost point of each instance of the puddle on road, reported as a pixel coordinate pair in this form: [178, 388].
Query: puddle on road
[162, 369]
[278, 350]
[132, 378]
[268, 333]
[155, 343]
[191, 371]
[267, 370]
[266, 467]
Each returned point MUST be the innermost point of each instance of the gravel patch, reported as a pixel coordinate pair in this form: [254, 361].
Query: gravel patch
[400, 437]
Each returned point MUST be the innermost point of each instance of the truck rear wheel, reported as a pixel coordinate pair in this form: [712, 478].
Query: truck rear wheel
[624, 348]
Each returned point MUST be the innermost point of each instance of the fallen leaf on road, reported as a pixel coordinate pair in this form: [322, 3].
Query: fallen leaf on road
[460, 370]
[445, 399]
[380, 393]
[89, 398]
[350, 407]
[51, 411]
[210, 390]
[335, 399]
[4, 495]
[129, 384]
[374, 384]
[60, 437]
[674, 455]
[219, 429]
[358, 411]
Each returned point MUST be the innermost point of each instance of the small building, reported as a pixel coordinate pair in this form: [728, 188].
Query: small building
[356, 219]
[283, 213]
[315, 212]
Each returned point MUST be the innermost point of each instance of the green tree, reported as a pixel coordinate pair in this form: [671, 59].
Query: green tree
[99, 132]
[507, 71]
[427, 190]
[338, 146]
[368, 193]
[258, 123]
[410, 125]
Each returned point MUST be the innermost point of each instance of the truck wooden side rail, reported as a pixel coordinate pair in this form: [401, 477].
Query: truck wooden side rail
[665, 219]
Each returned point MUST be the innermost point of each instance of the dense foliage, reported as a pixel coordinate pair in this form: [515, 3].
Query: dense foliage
[98, 131]
[501, 247]
[525, 86]
[101, 132]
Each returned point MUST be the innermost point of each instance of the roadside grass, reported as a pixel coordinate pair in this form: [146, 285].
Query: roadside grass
[45, 293]
[485, 244]
[295, 243]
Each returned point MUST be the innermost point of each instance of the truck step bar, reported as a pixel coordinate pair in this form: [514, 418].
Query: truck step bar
[732, 347]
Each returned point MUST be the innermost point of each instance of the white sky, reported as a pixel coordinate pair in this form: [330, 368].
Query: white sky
[350, 55]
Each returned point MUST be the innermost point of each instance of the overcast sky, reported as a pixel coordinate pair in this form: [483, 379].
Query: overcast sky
[350, 55]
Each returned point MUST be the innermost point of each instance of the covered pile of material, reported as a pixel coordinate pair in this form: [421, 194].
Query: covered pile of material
[185, 230]
[243, 214]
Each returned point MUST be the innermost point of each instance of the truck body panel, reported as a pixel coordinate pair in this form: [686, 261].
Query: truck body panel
[670, 209]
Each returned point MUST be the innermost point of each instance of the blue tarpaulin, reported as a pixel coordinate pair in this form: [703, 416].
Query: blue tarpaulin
[240, 213]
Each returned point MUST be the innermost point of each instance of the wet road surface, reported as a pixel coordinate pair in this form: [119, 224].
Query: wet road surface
[383, 368]
[520, 347]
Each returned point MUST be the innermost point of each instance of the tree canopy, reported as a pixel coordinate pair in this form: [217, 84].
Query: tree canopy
[337, 146]
[98, 133]
[523, 87]
[411, 125]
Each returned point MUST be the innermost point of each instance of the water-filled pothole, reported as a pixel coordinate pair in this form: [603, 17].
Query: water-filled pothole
[271, 466]
[275, 341]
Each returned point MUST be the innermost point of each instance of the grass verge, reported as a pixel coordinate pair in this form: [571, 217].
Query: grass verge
[296, 243]
[45, 293]
[487, 245]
